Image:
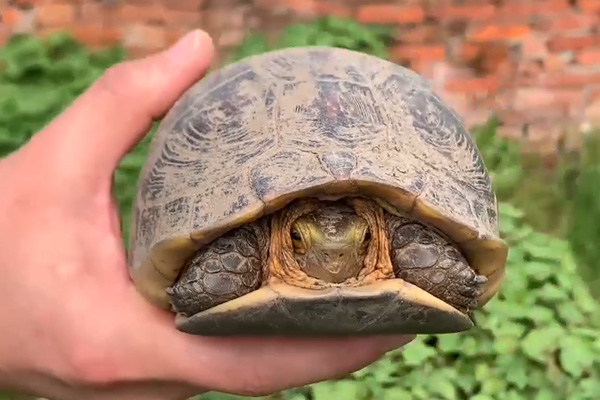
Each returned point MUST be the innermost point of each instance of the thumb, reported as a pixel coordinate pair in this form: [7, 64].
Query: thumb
[91, 136]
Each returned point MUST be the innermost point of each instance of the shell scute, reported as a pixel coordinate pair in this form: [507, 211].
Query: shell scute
[255, 134]
[288, 171]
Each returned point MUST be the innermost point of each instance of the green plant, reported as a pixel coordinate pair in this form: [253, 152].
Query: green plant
[324, 31]
[581, 182]
[38, 79]
[520, 177]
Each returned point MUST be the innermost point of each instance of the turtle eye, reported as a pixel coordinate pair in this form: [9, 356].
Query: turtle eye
[296, 237]
[297, 242]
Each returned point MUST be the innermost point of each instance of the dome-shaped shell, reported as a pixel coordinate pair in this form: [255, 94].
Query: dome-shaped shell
[261, 132]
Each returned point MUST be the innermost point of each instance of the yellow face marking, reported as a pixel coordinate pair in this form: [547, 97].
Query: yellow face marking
[331, 243]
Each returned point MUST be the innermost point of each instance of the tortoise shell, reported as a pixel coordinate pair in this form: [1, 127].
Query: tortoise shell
[255, 135]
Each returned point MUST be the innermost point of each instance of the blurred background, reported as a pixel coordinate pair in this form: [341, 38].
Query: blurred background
[523, 74]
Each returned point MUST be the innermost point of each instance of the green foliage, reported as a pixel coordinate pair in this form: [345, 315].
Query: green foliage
[38, 79]
[325, 31]
[584, 209]
[519, 177]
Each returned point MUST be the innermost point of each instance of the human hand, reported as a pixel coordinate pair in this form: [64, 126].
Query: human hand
[74, 327]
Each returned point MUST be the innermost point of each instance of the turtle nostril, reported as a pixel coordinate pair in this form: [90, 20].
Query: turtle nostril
[340, 255]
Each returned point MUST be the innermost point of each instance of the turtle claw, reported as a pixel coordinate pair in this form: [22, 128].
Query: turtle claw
[472, 289]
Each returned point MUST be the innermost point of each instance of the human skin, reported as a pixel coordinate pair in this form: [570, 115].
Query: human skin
[73, 325]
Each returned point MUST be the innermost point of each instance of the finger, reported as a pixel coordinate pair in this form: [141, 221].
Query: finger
[263, 366]
[103, 124]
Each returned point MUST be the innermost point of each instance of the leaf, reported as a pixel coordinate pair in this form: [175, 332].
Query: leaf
[481, 396]
[570, 313]
[575, 355]
[547, 394]
[442, 383]
[416, 353]
[343, 389]
[540, 271]
[507, 210]
[517, 374]
[553, 294]
[539, 343]
[589, 388]
[493, 386]
[395, 393]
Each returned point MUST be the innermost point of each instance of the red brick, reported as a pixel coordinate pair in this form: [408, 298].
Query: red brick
[55, 14]
[530, 69]
[572, 43]
[145, 37]
[500, 32]
[25, 4]
[529, 98]
[470, 11]
[423, 68]
[589, 57]
[97, 35]
[468, 52]
[534, 46]
[93, 12]
[230, 38]
[187, 5]
[419, 52]
[521, 8]
[589, 6]
[174, 33]
[184, 18]
[557, 63]
[572, 80]
[494, 55]
[326, 7]
[484, 58]
[483, 85]
[389, 14]
[302, 7]
[571, 22]
[421, 34]
[11, 17]
[134, 13]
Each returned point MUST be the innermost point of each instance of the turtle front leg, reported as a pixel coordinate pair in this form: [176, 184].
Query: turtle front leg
[426, 259]
[227, 268]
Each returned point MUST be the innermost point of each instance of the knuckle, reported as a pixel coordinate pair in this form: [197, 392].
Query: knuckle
[117, 79]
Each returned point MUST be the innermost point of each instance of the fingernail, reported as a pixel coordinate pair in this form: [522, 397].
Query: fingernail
[186, 45]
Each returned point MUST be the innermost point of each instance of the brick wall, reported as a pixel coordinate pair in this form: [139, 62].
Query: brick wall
[535, 63]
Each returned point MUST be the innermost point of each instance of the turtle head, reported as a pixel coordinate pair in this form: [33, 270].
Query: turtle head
[331, 242]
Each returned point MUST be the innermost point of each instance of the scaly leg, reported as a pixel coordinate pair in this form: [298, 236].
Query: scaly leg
[430, 261]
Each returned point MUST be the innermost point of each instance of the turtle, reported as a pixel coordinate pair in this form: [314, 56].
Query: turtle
[315, 191]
